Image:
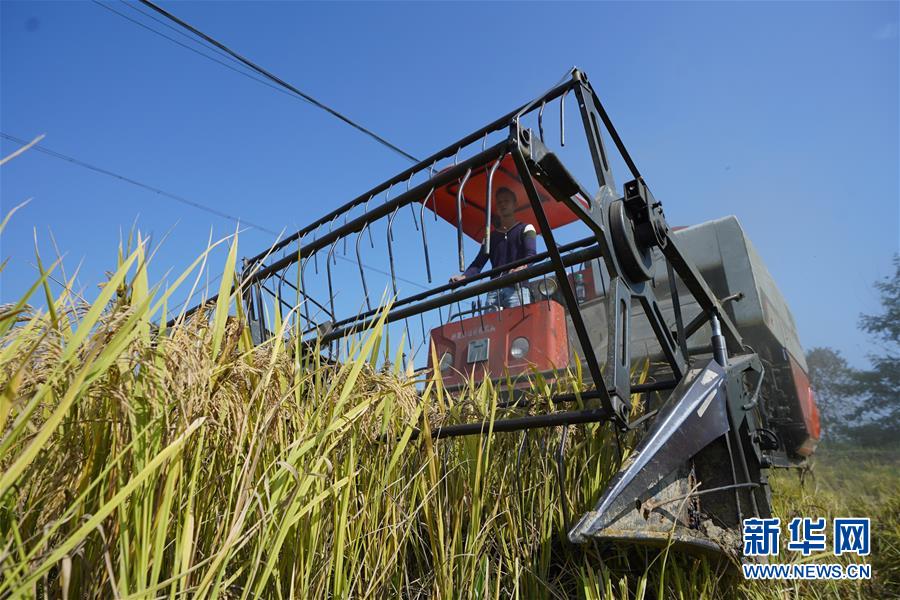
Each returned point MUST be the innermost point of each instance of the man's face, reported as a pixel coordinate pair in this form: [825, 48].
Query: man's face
[506, 204]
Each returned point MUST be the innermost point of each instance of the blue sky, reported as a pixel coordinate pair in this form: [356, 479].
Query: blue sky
[785, 115]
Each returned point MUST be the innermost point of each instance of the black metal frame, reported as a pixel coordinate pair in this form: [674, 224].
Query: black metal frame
[624, 232]
[623, 237]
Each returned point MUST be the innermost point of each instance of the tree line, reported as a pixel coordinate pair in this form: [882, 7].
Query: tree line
[862, 406]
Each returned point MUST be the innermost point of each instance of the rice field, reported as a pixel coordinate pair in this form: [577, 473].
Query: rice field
[139, 461]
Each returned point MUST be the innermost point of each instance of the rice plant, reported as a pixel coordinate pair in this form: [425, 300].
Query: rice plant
[142, 461]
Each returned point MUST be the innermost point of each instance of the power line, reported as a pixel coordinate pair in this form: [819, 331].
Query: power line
[131, 6]
[176, 197]
[279, 81]
[195, 51]
[155, 190]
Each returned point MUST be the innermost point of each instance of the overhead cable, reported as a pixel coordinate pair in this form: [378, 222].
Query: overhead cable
[203, 54]
[280, 81]
[176, 197]
[135, 182]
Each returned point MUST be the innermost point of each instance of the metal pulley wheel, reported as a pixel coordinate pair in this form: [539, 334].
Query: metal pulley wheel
[635, 260]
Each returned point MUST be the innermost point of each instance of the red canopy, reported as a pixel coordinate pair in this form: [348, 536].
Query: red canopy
[475, 194]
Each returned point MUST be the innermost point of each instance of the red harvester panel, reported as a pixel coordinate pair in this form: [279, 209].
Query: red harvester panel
[475, 192]
[807, 401]
[543, 324]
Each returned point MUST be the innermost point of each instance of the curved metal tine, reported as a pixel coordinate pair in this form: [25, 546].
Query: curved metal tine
[434, 199]
[262, 309]
[315, 257]
[424, 237]
[411, 208]
[365, 212]
[303, 264]
[562, 118]
[484, 141]
[328, 259]
[459, 231]
[390, 240]
[362, 274]
[280, 299]
[345, 237]
[561, 475]
[330, 229]
[541, 120]
[488, 205]
[456, 157]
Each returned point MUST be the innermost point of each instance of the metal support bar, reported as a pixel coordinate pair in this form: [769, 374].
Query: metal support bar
[701, 319]
[639, 388]
[363, 321]
[720, 353]
[676, 307]
[671, 350]
[607, 123]
[618, 339]
[493, 274]
[572, 417]
[565, 285]
[589, 116]
[697, 286]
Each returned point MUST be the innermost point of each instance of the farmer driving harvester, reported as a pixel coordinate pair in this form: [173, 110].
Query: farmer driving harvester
[511, 241]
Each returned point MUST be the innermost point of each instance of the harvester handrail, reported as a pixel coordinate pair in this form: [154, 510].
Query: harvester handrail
[465, 292]
[582, 243]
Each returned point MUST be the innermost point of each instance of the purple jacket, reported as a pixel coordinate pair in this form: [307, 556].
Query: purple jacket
[517, 243]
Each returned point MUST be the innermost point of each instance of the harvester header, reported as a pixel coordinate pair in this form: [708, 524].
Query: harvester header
[626, 287]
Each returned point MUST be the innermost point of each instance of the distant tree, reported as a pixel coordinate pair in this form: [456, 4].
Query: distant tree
[879, 387]
[834, 382]
[863, 405]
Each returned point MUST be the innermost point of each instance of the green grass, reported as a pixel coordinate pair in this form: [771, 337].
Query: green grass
[137, 463]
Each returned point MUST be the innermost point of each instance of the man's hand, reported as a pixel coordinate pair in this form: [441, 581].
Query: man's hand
[519, 268]
[457, 278]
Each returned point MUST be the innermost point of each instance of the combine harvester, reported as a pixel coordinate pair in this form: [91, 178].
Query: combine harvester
[697, 302]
